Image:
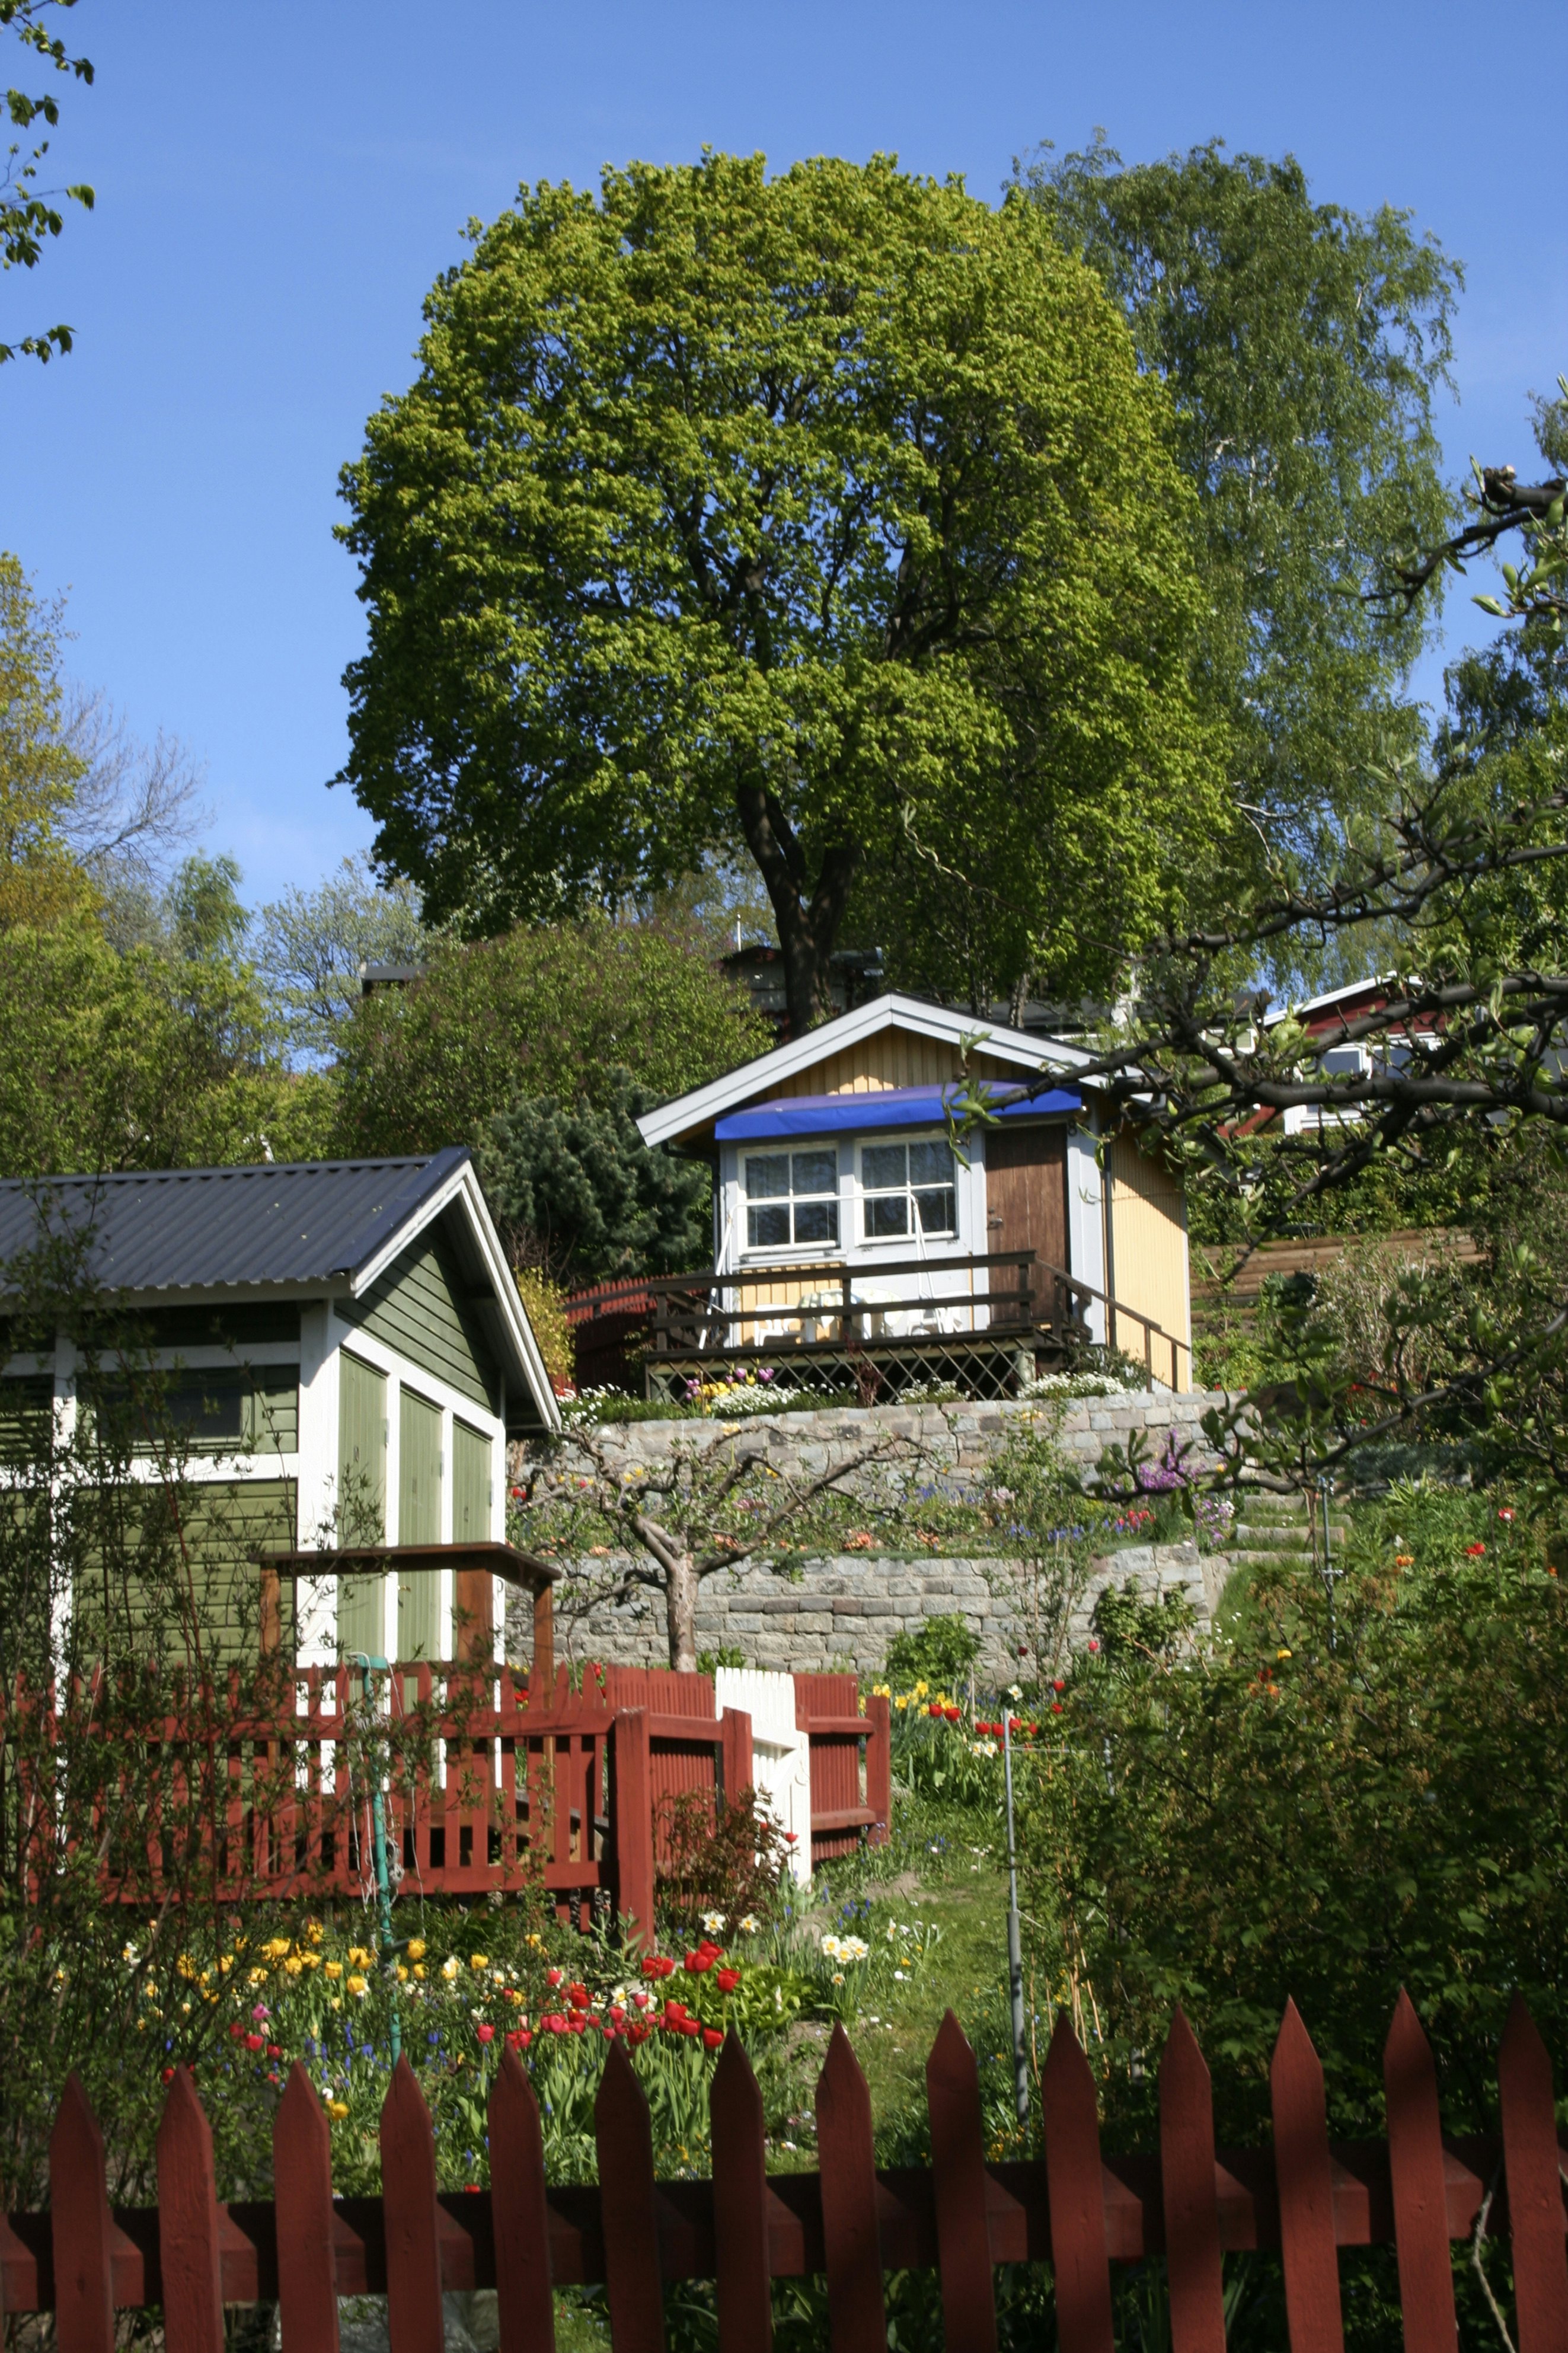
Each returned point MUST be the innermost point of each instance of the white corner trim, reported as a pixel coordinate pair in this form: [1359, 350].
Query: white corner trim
[463, 1185]
[891, 1011]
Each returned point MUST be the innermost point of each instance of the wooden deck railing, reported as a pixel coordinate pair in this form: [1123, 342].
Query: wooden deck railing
[1072, 2207]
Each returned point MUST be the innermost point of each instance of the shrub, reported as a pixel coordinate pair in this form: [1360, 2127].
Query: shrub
[542, 1303]
[941, 1653]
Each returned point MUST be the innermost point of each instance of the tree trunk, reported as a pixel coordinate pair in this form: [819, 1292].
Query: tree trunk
[807, 917]
[680, 1613]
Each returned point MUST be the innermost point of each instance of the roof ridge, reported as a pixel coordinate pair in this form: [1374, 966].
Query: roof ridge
[237, 1168]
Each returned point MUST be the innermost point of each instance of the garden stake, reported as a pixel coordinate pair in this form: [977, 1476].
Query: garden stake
[1325, 1489]
[367, 1664]
[1014, 1939]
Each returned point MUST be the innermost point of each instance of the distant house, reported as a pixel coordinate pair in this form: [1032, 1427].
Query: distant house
[833, 1154]
[343, 1342]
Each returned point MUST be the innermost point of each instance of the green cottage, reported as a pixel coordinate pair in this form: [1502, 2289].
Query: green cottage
[345, 1343]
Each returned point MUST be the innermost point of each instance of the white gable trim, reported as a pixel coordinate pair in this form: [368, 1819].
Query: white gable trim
[463, 1187]
[889, 1012]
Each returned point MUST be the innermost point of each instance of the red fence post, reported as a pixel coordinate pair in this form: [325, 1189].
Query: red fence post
[631, 1814]
[78, 2202]
[852, 2233]
[879, 1767]
[740, 2204]
[1420, 2189]
[1078, 2255]
[188, 2252]
[1187, 2188]
[1305, 2183]
[735, 1732]
[634, 2282]
[1534, 2185]
[519, 2214]
[302, 2206]
[413, 2315]
[958, 2189]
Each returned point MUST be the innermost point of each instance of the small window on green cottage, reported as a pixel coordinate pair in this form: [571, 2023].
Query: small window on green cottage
[909, 1190]
[792, 1198]
[228, 1408]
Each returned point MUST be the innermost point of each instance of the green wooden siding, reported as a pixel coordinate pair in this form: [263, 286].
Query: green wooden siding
[216, 1528]
[362, 1494]
[419, 1310]
[471, 1494]
[26, 1407]
[419, 1523]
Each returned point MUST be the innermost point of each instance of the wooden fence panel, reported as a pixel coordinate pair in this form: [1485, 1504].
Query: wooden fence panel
[1305, 2186]
[741, 2250]
[81, 2262]
[1190, 2206]
[307, 2254]
[959, 2187]
[851, 2234]
[1079, 2258]
[188, 2251]
[1534, 2165]
[1420, 2187]
[837, 1800]
[519, 2214]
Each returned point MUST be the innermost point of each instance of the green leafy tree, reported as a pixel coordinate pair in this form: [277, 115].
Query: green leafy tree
[1301, 346]
[823, 521]
[27, 213]
[40, 882]
[580, 1193]
[1332, 1809]
[558, 1010]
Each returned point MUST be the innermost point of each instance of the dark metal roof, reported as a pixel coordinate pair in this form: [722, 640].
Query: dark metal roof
[176, 1230]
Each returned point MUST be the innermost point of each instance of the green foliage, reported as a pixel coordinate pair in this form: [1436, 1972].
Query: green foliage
[1329, 1812]
[27, 214]
[940, 1651]
[563, 1011]
[542, 1303]
[578, 1190]
[140, 1061]
[39, 880]
[1301, 346]
[822, 521]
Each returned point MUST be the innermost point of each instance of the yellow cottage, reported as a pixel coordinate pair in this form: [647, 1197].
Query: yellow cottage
[848, 1226]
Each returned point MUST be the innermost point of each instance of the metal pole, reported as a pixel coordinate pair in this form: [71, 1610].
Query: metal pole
[389, 1948]
[1015, 1937]
[1325, 1489]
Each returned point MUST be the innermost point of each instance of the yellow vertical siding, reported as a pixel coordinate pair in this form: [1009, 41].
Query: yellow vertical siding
[895, 1058]
[1147, 1271]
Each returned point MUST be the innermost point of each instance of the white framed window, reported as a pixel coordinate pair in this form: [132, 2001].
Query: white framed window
[792, 1198]
[907, 1189]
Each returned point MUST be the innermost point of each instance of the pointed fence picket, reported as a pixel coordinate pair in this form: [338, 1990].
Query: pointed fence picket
[1073, 2208]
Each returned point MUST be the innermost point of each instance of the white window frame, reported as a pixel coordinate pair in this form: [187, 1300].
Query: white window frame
[788, 1149]
[916, 1238]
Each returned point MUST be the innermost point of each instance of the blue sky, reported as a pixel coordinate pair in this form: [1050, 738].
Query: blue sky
[278, 182]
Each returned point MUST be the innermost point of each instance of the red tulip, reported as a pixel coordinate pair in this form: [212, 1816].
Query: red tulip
[553, 1977]
[711, 2036]
[1059, 1685]
[1056, 1707]
[255, 2042]
[485, 2032]
[168, 2074]
[727, 1980]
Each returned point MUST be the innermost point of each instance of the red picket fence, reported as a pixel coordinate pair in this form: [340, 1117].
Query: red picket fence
[487, 1779]
[1073, 2208]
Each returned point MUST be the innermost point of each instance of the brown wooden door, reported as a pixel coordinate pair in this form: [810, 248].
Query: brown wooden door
[1027, 1201]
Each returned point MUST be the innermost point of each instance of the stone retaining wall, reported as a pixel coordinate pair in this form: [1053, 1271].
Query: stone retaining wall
[842, 1610]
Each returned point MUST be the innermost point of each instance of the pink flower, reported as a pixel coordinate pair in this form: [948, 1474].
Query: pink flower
[262, 2010]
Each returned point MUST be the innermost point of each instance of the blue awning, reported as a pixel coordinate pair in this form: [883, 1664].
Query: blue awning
[889, 1107]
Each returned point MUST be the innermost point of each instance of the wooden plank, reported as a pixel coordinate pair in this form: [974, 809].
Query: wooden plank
[631, 1819]
[1188, 2195]
[519, 2214]
[188, 2249]
[741, 2233]
[633, 2278]
[1305, 2189]
[1420, 2187]
[959, 2193]
[879, 1767]
[306, 2225]
[1078, 2257]
[851, 2235]
[82, 2231]
[1534, 2185]
[414, 2317]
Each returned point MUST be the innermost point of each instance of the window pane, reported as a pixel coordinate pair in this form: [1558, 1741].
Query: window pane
[887, 1213]
[816, 1172]
[767, 1179]
[767, 1229]
[936, 1211]
[883, 1164]
[930, 1163]
[816, 1221]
